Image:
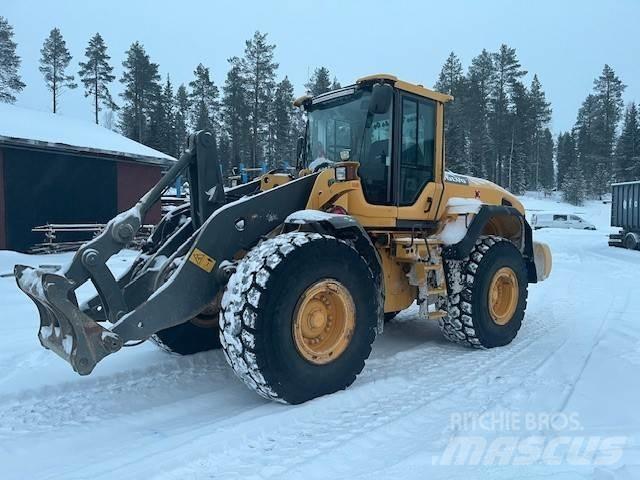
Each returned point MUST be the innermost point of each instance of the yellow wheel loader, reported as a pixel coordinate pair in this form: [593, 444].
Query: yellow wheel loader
[294, 274]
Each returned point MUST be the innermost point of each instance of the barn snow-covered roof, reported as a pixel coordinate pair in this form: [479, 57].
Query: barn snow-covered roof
[32, 128]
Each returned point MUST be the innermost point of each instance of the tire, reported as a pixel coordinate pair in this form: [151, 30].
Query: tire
[195, 336]
[630, 241]
[257, 328]
[388, 316]
[469, 321]
[187, 339]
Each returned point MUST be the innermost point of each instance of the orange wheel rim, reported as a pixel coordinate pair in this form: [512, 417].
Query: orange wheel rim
[504, 294]
[323, 322]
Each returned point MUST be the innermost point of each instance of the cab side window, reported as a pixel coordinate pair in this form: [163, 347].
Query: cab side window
[417, 148]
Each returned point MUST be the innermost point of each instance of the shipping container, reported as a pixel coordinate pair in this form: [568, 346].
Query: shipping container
[625, 213]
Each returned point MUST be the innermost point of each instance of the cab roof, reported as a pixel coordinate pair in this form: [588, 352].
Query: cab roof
[416, 89]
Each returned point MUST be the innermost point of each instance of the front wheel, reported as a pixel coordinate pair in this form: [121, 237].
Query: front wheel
[199, 334]
[299, 316]
[488, 295]
[195, 336]
[388, 316]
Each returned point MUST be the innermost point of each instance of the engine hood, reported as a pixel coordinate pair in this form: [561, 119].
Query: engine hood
[466, 186]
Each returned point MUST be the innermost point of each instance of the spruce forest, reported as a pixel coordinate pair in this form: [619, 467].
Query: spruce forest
[497, 127]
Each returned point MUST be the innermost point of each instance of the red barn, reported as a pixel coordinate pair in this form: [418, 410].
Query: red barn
[55, 169]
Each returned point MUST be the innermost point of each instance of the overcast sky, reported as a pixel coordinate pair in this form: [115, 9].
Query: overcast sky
[565, 42]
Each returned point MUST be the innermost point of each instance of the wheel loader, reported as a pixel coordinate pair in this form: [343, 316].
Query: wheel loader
[294, 274]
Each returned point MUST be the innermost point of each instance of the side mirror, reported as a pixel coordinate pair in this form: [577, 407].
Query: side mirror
[381, 96]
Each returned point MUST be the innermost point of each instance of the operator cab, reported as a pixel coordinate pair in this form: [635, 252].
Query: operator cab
[389, 127]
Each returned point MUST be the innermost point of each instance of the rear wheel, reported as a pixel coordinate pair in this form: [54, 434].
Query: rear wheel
[630, 241]
[488, 295]
[299, 316]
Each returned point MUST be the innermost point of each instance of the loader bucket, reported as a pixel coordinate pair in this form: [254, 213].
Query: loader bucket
[64, 329]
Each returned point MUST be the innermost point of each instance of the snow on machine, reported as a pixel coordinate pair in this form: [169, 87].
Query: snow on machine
[293, 275]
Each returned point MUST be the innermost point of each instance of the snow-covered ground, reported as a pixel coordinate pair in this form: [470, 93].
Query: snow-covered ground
[560, 402]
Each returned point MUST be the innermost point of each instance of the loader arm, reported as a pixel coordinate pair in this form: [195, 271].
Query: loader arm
[218, 230]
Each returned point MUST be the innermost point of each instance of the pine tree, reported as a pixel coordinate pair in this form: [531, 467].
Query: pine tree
[566, 155]
[140, 79]
[608, 89]
[519, 121]
[628, 147]
[10, 81]
[496, 127]
[507, 72]
[451, 81]
[480, 81]
[540, 116]
[204, 100]
[181, 118]
[54, 61]
[162, 132]
[450, 75]
[586, 135]
[574, 185]
[235, 108]
[320, 82]
[335, 84]
[259, 74]
[96, 75]
[545, 152]
[169, 127]
[283, 112]
[595, 131]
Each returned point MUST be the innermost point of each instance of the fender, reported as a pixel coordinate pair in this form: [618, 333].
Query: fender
[344, 227]
[481, 221]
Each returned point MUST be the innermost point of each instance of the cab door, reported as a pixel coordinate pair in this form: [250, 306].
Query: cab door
[419, 154]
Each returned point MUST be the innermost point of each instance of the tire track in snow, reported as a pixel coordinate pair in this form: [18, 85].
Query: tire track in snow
[94, 400]
[418, 376]
[394, 441]
[596, 341]
[327, 423]
[588, 256]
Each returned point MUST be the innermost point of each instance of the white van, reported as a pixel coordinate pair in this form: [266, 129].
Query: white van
[559, 220]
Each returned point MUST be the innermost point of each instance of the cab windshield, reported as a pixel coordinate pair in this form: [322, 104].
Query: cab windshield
[343, 128]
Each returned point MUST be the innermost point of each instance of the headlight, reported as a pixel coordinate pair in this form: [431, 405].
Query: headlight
[341, 174]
